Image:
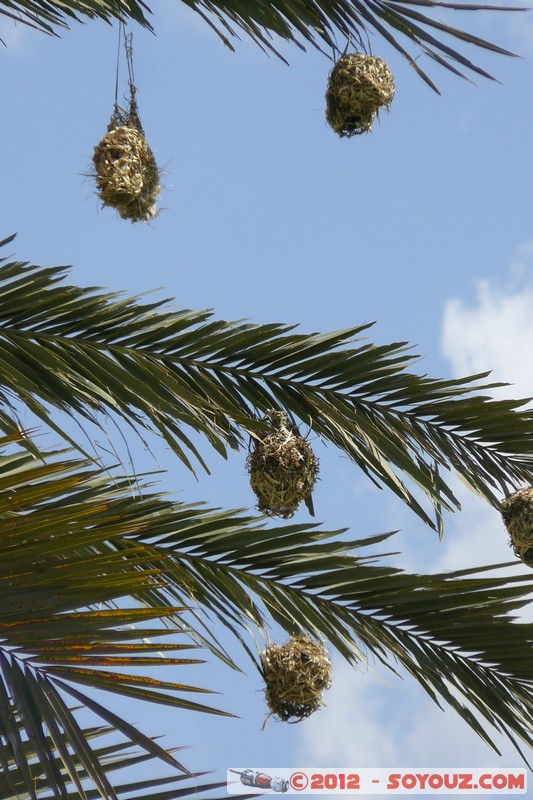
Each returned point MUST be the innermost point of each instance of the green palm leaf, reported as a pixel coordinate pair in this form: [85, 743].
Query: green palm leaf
[455, 633]
[69, 618]
[87, 353]
[111, 755]
[46, 16]
[74, 544]
[294, 20]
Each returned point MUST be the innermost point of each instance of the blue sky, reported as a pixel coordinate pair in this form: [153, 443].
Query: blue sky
[424, 225]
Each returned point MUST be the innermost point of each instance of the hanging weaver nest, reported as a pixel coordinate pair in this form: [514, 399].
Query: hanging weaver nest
[517, 513]
[127, 175]
[358, 86]
[296, 675]
[283, 469]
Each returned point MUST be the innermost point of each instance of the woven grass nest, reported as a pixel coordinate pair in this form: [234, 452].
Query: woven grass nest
[358, 87]
[517, 513]
[296, 675]
[126, 172]
[283, 469]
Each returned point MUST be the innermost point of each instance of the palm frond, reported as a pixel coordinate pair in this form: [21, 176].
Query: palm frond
[74, 543]
[47, 15]
[319, 23]
[456, 633]
[112, 755]
[85, 352]
[69, 618]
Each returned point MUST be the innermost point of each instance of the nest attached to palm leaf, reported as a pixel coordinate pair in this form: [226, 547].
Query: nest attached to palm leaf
[126, 172]
[358, 87]
[517, 513]
[296, 675]
[283, 469]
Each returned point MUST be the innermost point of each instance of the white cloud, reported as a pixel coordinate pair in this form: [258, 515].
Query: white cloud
[477, 536]
[495, 333]
[368, 722]
[350, 731]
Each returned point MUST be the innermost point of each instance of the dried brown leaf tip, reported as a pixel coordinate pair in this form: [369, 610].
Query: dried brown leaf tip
[358, 87]
[517, 513]
[283, 468]
[296, 675]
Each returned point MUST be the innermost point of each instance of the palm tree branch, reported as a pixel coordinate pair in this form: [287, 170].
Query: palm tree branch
[63, 623]
[112, 757]
[454, 632]
[86, 353]
[235, 567]
[318, 22]
[47, 15]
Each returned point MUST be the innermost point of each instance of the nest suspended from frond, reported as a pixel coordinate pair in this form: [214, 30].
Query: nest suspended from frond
[358, 87]
[296, 675]
[127, 175]
[517, 513]
[283, 469]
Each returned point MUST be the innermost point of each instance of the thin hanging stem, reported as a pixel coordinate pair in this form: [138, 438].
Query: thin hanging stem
[128, 49]
[120, 28]
[125, 40]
